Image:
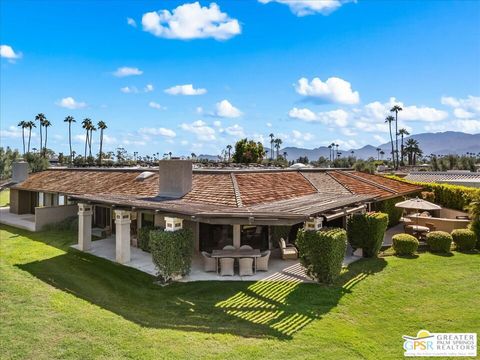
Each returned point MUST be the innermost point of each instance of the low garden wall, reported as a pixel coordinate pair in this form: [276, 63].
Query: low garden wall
[53, 214]
[441, 224]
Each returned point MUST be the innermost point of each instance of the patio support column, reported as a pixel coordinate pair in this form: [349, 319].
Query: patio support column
[84, 226]
[122, 236]
[237, 235]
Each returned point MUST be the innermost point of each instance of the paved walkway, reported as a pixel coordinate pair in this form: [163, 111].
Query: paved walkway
[26, 221]
[397, 229]
[279, 270]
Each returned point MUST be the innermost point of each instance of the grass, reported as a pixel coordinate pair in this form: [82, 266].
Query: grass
[4, 197]
[57, 302]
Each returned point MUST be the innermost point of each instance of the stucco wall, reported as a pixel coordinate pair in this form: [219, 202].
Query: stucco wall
[441, 224]
[20, 201]
[53, 214]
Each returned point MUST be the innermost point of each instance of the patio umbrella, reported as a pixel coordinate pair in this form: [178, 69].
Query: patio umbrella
[418, 204]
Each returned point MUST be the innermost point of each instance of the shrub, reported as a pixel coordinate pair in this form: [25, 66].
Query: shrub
[388, 207]
[172, 253]
[279, 232]
[464, 239]
[143, 236]
[475, 227]
[428, 195]
[322, 252]
[439, 241]
[366, 231]
[67, 224]
[404, 244]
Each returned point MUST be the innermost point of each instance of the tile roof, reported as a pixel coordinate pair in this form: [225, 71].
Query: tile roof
[394, 186]
[325, 183]
[443, 176]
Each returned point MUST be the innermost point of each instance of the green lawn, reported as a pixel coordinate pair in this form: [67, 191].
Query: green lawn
[60, 303]
[4, 197]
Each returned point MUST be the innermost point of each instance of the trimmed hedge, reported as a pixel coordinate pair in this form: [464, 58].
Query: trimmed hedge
[464, 239]
[388, 207]
[404, 244]
[143, 236]
[172, 253]
[366, 231]
[321, 252]
[475, 227]
[450, 196]
[439, 241]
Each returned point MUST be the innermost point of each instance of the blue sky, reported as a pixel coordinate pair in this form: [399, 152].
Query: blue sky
[194, 77]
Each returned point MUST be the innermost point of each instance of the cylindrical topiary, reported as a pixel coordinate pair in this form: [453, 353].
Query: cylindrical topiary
[404, 244]
[439, 241]
[464, 239]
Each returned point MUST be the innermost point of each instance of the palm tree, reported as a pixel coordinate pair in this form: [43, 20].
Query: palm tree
[391, 119]
[40, 118]
[86, 124]
[229, 149]
[70, 120]
[23, 125]
[413, 151]
[46, 124]
[102, 126]
[285, 155]
[29, 125]
[92, 129]
[378, 153]
[330, 152]
[381, 154]
[402, 132]
[271, 145]
[396, 109]
[278, 142]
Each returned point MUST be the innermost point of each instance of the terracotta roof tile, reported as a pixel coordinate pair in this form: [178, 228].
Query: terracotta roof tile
[359, 187]
[325, 183]
[257, 188]
[397, 186]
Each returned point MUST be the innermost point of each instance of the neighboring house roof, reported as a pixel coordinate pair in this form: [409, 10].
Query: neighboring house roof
[444, 176]
[286, 193]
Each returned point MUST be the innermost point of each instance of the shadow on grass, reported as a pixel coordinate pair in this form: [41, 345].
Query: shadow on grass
[276, 309]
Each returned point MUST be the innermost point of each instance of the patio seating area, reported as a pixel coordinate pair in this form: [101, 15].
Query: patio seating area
[278, 269]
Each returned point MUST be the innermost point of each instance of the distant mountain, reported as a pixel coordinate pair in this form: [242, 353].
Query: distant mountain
[442, 143]
[208, 157]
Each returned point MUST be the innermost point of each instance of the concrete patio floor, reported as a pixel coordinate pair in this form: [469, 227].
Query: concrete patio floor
[26, 221]
[279, 270]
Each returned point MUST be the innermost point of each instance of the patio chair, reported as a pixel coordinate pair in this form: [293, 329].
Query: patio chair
[430, 226]
[226, 266]
[246, 247]
[262, 262]
[228, 247]
[246, 266]
[408, 230]
[209, 263]
[288, 251]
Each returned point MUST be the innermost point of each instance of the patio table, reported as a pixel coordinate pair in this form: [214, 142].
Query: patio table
[418, 229]
[237, 253]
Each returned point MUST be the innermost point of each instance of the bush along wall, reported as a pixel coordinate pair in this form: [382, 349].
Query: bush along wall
[366, 231]
[321, 252]
[404, 244]
[388, 207]
[464, 239]
[439, 241]
[143, 236]
[172, 253]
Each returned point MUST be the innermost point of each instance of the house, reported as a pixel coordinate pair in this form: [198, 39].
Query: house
[221, 207]
[452, 177]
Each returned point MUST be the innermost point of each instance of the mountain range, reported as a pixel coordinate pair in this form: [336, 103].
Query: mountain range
[441, 143]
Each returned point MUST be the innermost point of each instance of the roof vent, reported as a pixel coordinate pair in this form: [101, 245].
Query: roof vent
[144, 175]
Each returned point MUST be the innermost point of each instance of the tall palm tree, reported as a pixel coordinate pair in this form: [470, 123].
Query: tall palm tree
[46, 124]
[402, 132]
[40, 118]
[92, 129]
[413, 151]
[70, 120]
[102, 126]
[29, 126]
[278, 142]
[396, 109]
[378, 153]
[229, 149]
[285, 155]
[330, 152]
[271, 145]
[336, 145]
[23, 125]
[381, 154]
[391, 119]
[86, 123]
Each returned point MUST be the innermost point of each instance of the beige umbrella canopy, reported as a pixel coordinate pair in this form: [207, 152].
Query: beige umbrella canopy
[418, 204]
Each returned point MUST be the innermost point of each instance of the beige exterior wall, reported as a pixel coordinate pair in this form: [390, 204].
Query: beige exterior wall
[441, 224]
[53, 214]
[451, 213]
[20, 201]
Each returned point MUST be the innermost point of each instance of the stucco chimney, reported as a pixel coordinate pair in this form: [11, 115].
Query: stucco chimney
[19, 171]
[175, 178]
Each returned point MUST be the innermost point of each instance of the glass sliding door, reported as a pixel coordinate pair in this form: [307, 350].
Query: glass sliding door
[214, 237]
[255, 236]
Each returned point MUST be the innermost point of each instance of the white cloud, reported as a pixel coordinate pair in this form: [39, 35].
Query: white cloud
[334, 90]
[217, 123]
[13, 132]
[269, 124]
[129, 90]
[70, 103]
[200, 129]
[155, 105]
[465, 125]
[131, 22]
[7, 52]
[199, 110]
[310, 7]
[158, 131]
[380, 139]
[235, 130]
[191, 21]
[463, 108]
[109, 140]
[148, 88]
[297, 137]
[225, 109]
[127, 71]
[335, 117]
[302, 114]
[186, 89]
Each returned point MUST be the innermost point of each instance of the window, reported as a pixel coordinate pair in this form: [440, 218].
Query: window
[61, 200]
[148, 220]
[41, 199]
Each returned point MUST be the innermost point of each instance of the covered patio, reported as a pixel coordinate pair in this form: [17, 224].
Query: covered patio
[24, 221]
[279, 270]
